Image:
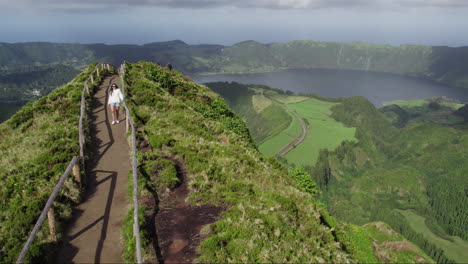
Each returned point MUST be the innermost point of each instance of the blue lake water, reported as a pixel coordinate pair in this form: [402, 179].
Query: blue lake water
[377, 87]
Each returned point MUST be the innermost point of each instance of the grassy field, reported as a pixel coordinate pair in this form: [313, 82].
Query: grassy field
[457, 250]
[420, 103]
[274, 144]
[285, 99]
[323, 131]
[260, 103]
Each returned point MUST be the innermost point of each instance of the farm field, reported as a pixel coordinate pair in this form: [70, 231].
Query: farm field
[456, 250]
[274, 144]
[323, 131]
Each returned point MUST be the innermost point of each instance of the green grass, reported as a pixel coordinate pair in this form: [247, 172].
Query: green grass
[456, 250]
[36, 146]
[421, 103]
[271, 213]
[260, 103]
[271, 146]
[323, 132]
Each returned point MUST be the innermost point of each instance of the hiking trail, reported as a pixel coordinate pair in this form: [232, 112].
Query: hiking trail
[93, 234]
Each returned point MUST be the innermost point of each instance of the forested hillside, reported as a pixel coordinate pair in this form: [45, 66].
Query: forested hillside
[22, 84]
[269, 213]
[407, 167]
[443, 64]
[391, 172]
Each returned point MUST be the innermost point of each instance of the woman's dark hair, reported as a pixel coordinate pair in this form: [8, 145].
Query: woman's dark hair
[112, 85]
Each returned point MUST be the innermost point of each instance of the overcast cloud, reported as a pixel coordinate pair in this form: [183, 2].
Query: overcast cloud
[197, 4]
[395, 22]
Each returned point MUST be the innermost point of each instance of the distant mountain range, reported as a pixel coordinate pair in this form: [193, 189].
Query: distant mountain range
[442, 64]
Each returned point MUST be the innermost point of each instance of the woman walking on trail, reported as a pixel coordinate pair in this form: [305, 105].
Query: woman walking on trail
[115, 97]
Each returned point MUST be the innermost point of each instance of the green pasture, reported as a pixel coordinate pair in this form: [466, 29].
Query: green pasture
[273, 145]
[456, 250]
[423, 105]
[259, 103]
[323, 132]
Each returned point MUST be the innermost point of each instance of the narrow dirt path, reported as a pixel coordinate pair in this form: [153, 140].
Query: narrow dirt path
[291, 145]
[93, 235]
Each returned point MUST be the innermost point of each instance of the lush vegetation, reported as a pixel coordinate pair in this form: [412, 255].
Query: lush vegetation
[443, 64]
[421, 167]
[406, 155]
[28, 83]
[438, 110]
[271, 213]
[323, 132]
[264, 124]
[36, 145]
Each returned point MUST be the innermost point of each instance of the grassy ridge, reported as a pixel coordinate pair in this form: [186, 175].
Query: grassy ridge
[271, 213]
[264, 124]
[37, 144]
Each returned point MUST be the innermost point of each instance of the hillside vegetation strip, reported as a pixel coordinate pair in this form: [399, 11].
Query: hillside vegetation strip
[37, 144]
[270, 213]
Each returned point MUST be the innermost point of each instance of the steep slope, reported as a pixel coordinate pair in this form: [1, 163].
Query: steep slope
[36, 145]
[29, 83]
[195, 153]
[399, 175]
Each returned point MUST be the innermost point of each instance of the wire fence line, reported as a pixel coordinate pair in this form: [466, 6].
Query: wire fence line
[129, 123]
[72, 166]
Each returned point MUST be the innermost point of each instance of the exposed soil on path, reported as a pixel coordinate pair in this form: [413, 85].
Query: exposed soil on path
[178, 224]
[93, 235]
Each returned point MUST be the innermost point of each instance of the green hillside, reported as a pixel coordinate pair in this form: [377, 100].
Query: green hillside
[420, 167]
[270, 213]
[442, 64]
[408, 155]
[28, 83]
[36, 146]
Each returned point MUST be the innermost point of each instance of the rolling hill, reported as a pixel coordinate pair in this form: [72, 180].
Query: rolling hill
[187, 138]
[404, 164]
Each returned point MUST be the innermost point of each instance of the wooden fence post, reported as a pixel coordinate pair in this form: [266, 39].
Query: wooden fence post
[52, 229]
[87, 88]
[126, 122]
[97, 71]
[92, 79]
[76, 173]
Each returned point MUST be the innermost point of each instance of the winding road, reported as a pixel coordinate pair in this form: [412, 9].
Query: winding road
[291, 145]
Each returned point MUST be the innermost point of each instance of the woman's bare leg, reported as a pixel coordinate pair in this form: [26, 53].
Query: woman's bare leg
[112, 111]
[117, 111]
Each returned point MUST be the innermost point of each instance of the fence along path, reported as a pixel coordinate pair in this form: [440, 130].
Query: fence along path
[94, 235]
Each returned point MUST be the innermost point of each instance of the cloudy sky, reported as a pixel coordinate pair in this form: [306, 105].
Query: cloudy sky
[428, 22]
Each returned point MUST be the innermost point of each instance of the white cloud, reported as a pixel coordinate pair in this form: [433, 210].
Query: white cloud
[271, 4]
